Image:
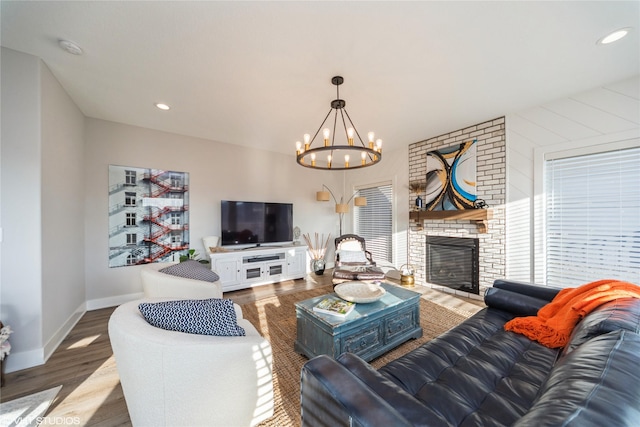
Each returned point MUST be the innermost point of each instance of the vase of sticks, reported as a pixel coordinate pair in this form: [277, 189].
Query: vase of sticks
[317, 249]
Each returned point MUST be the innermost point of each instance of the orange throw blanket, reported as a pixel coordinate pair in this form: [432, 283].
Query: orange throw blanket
[555, 321]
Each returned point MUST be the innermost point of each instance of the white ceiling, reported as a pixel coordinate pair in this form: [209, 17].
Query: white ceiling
[258, 73]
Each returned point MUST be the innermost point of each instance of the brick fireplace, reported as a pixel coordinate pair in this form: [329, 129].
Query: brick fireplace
[490, 186]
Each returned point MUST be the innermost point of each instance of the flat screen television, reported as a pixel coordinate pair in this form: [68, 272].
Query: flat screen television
[255, 223]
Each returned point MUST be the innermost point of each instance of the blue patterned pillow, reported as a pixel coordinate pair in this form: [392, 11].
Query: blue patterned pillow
[191, 269]
[214, 316]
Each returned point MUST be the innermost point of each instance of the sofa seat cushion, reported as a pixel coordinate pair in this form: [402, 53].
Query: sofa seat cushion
[476, 373]
[599, 375]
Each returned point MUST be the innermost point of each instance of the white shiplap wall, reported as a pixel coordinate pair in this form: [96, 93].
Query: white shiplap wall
[604, 115]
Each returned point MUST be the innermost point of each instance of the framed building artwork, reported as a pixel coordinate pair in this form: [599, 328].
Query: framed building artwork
[451, 177]
[148, 215]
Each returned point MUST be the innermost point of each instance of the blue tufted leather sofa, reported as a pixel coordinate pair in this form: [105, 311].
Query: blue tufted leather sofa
[477, 374]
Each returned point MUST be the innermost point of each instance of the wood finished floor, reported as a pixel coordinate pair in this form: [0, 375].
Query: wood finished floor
[85, 367]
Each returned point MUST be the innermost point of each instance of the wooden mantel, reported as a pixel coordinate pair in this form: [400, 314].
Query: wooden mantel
[480, 216]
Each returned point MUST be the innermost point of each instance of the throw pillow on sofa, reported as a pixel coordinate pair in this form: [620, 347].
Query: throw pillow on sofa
[191, 269]
[212, 316]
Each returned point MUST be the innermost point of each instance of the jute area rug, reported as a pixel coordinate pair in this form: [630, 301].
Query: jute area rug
[275, 318]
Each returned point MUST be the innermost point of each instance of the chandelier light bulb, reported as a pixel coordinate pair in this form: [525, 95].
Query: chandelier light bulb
[378, 144]
[298, 147]
[346, 160]
[329, 161]
[350, 132]
[371, 135]
[326, 133]
[307, 138]
[313, 159]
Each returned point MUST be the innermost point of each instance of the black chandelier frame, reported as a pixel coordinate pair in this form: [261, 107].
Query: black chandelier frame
[367, 155]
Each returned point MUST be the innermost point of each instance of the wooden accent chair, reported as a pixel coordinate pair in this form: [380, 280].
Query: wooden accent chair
[354, 262]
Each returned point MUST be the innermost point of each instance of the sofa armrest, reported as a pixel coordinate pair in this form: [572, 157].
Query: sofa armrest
[330, 395]
[513, 302]
[530, 289]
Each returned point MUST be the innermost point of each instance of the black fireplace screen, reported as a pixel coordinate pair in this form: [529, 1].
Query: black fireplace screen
[453, 262]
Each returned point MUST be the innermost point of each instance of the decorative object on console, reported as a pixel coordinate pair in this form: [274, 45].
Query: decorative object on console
[210, 244]
[342, 207]
[451, 177]
[355, 155]
[317, 249]
[192, 255]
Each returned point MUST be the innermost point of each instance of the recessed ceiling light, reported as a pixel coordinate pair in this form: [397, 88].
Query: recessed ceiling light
[614, 36]
[70, 47]
[163, 106]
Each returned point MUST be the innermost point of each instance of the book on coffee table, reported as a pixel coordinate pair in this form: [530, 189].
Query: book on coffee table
[334, 306]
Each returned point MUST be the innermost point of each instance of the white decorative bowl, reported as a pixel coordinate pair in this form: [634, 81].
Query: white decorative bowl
[359, 292]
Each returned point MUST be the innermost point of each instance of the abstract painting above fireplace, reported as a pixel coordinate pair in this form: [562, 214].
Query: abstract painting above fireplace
[453, 262]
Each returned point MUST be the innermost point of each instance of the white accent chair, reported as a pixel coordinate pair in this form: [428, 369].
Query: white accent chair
[161, 285]
[177, 379]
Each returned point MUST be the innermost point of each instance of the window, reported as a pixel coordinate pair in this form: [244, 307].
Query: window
[129, 177]
[129, 198]
[374, 222]
[131, 259]
[593, 217]
[176, 180]
[176, 238]
[132, 239]
[176, 218]
[131, 219]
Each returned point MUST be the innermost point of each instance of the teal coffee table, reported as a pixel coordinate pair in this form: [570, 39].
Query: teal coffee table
[370, 330]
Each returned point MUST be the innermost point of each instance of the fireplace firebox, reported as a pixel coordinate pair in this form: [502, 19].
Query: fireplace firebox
[453, 262]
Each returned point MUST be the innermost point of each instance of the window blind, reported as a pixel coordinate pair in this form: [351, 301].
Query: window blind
[374, 222]
[593, 218]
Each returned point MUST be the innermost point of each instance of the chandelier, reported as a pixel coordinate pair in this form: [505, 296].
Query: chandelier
[331, 156]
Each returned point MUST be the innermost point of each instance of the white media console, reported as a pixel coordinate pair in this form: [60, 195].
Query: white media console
[245, 268]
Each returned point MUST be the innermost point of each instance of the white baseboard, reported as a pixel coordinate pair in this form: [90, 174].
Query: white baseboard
[63, 331]
[18, 360]
[97, 304]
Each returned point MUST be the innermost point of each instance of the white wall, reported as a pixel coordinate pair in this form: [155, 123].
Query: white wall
[21, 302]
[42, 288]
[62, 168]
[217, 171]
[598, 117]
